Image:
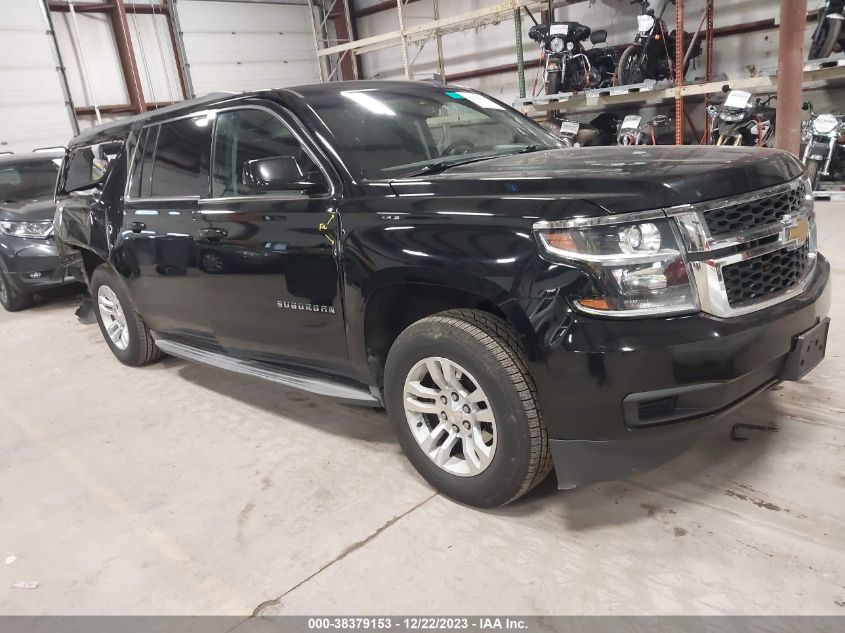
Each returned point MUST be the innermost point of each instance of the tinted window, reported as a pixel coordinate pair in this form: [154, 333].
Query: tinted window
[89, 164]
[31, 180]
[180, 164]
[246, 135]
[388, 133]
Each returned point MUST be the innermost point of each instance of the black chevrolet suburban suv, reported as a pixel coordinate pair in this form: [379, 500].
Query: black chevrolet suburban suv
[512, 304]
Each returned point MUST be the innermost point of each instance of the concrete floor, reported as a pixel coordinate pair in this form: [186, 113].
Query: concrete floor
[181, 489]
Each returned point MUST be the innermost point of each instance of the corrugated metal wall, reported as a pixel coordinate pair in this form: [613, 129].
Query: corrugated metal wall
[32, 106]
[229, 45]
[247, 46]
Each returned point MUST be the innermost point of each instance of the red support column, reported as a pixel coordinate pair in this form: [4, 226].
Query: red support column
[679, 71]
[793, 21]
[342, 24]
[708, 75]
[128, 64]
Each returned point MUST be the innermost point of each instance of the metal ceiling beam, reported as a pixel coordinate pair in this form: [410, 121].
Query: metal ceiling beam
[469, 20]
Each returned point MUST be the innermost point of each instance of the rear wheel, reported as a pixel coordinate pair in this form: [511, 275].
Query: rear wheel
[464, 408]
[11, 299]
[125, 332]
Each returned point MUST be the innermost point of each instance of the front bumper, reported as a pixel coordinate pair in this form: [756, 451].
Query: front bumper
[32, 265]
[621, 397]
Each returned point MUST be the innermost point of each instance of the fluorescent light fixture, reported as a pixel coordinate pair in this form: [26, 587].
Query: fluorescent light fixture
[366, 101]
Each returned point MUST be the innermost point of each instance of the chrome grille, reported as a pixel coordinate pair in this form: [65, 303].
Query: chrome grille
[765, 276]
[743, 217]
[752, 251]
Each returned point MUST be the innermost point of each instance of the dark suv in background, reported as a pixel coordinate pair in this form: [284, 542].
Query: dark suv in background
[428, 249]
[29, 262]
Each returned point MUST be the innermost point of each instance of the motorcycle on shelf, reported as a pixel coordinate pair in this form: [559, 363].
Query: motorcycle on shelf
[637, 131]
[569, 66]
[652, 54]
[600, 131]
[742, 121]
[822, 139]
[829, 36]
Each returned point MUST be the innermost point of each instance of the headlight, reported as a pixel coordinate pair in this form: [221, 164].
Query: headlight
[27, 229]
[556, 45]
[732, 116]
[825, 124]
[637, 267]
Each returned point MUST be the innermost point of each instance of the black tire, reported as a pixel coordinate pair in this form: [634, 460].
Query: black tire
[627, 71]
[487, 348]
[553, 84]
[10, 298]
[141, 348]
[822, 46]
[814, 173]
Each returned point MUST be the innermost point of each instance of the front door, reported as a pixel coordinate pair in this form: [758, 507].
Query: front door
[169, 175]
[267, 249]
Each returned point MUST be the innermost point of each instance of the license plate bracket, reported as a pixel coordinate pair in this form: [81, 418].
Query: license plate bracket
[808, 350]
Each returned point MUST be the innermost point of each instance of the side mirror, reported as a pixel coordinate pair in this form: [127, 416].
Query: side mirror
[276, 173]
[598, 37]
[807, 105]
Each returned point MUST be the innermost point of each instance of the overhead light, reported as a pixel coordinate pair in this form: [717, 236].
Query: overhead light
[366, 101]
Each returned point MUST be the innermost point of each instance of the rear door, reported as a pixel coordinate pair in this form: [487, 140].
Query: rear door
[269, 257]
[169, 175]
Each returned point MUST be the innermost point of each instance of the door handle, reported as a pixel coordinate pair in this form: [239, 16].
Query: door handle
[137, 227]
[213, 234]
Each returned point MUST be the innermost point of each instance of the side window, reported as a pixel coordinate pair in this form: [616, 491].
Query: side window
[180, 160]
[89, 164]
[243, 141]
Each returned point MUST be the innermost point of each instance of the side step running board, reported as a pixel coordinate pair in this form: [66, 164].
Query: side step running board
[320, 386]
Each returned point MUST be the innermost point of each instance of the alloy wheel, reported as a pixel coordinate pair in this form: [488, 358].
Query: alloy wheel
[450, 416]
[4, 291]
[114, 320]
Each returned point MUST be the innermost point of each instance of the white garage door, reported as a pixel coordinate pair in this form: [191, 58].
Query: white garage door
[247, 45]
[32, 106]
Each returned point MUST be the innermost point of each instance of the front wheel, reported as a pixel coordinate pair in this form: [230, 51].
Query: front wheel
[826, 38]
[125, 332]
[629, 71]
[11, 299]
[553, 83]
[814, 173]
[464, 408]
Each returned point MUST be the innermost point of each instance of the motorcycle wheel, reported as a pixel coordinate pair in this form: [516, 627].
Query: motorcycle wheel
[628, 72]
[553, 84]
[814, 173]
[828, 35]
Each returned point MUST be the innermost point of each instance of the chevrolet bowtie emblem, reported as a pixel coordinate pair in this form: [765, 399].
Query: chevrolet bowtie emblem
[795, 229]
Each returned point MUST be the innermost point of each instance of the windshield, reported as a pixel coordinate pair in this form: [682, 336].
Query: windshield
[28, 181]
[391, 133]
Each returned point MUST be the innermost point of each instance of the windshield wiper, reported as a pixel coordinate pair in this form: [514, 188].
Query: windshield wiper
[443, 165]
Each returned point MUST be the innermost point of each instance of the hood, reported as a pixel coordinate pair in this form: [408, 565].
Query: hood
[616, 179]
[31, 211]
